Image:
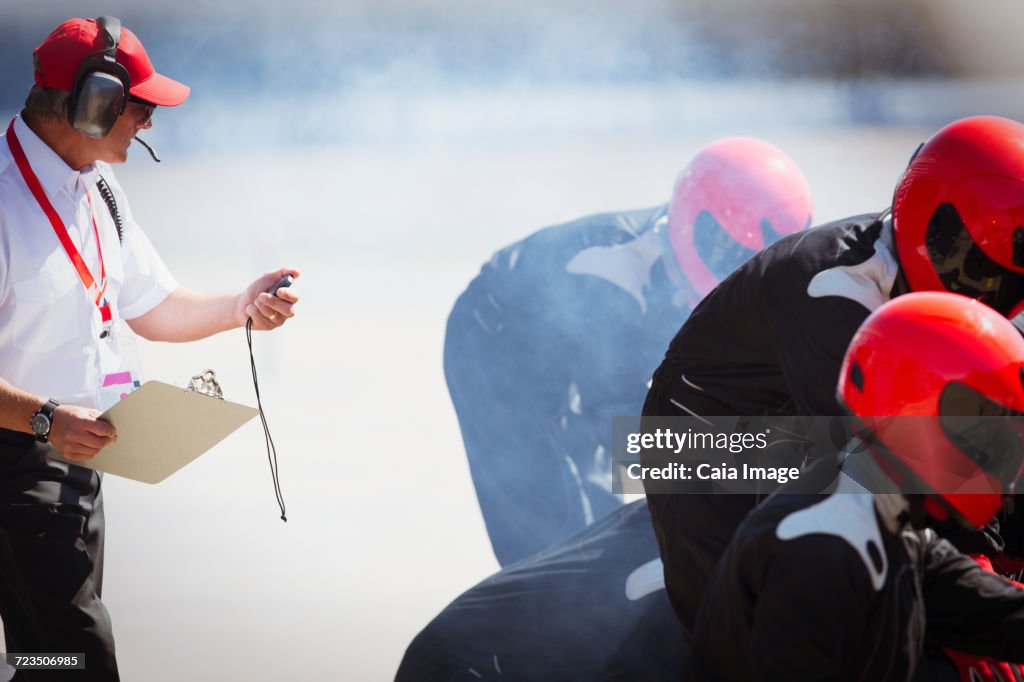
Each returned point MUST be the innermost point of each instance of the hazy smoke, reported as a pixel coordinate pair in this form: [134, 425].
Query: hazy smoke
[312, 72]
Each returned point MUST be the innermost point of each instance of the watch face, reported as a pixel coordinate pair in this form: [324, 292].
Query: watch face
[40, 424]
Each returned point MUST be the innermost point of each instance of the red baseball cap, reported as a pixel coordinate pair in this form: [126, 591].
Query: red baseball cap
[58, 57]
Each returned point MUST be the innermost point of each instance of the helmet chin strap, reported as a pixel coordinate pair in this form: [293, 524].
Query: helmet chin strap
[148, 148]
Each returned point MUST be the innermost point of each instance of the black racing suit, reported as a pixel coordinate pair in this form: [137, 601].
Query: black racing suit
[836, 587]
[591, 608]
[557, 334]
[769, 340]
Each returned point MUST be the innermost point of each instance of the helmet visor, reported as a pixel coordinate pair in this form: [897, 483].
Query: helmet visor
[990, 434]
[964, 268]
[716, 248]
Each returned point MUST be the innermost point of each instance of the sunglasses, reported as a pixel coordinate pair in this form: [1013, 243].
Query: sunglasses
[148, 108]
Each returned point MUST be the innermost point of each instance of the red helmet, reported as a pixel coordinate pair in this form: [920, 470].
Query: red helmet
[938, 381]
[737, 196]
[959, 209]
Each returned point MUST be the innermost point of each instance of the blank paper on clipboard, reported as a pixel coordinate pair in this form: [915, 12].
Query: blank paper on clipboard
[161, 428]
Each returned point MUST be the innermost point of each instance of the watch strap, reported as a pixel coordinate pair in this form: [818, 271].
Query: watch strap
[47, 411]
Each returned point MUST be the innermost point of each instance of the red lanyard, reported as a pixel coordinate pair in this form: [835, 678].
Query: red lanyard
[96, 290]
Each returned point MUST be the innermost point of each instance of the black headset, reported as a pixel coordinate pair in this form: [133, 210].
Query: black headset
[100, 93]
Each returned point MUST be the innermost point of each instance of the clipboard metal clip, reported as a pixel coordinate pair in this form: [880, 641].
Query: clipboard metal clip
[206, 383]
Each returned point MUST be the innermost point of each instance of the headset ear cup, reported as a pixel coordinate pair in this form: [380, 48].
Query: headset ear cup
[100, 93]
[98, 98]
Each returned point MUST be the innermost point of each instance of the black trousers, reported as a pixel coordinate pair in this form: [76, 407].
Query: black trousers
[51, 561]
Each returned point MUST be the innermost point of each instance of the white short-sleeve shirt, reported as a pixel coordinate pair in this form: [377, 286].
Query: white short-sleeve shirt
[49, 327]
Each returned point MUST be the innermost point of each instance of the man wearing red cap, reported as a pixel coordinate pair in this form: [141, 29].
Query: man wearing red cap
[73, 266]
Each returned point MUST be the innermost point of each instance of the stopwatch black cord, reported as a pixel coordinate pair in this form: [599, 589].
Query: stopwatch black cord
[271, 449]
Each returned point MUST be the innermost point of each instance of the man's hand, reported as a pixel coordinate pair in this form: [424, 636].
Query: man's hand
[78, 433]
[187, 315]
[266, 311]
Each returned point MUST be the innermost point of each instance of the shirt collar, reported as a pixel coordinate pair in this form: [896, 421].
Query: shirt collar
[53, 173]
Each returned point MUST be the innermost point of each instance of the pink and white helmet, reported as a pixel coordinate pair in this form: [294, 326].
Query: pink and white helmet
[737, 196]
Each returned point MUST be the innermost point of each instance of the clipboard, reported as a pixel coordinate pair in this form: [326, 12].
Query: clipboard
[161, 428]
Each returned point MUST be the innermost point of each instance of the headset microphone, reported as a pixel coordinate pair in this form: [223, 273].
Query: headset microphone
[148, 148]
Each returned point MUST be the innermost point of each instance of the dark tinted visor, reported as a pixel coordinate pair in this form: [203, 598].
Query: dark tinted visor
[716, 248]
[990, 434]
[964, 268]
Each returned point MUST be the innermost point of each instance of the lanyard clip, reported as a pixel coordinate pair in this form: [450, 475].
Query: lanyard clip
[106, 317]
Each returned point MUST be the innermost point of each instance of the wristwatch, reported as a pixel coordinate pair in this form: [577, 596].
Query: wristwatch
[42, 420]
